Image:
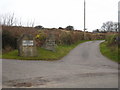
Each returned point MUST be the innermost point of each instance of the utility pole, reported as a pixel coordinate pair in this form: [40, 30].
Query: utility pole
[84, 17]
[118, 22]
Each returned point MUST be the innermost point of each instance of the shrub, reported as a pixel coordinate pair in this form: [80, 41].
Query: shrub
[60, 28]
[39, 27]
[66, 38]
[40, 38]
[69, 28]
[111, 39]
[62, 37]
[8, 40]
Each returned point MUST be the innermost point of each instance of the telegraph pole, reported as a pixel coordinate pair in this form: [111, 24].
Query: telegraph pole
[84, 17]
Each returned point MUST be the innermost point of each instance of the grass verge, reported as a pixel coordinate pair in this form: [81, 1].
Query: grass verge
[0, 56]
[61, 51]
[110, 52]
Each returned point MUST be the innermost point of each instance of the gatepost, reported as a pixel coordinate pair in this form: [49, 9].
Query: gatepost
[27, 46]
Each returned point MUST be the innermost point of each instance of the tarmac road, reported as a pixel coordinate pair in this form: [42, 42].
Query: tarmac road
[83, 67]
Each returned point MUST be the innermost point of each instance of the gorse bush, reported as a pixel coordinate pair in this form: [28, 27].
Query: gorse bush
[40, 38]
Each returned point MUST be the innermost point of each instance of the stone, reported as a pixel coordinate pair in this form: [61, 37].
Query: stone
[27, 46]
[50, 43]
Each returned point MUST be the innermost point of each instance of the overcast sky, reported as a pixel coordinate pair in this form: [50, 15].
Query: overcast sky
[61, 13]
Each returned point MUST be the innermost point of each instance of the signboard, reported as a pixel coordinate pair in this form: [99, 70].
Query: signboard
[27, 42]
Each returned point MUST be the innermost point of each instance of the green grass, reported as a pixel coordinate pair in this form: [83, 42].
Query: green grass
[0, 56]
[61, 51]
[110, 52]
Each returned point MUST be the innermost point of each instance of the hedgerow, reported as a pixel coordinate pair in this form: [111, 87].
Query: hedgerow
[62, 36]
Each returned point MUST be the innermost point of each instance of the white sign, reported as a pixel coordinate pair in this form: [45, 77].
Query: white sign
[27, 42]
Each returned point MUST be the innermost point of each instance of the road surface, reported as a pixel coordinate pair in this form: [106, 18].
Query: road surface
[83, 67]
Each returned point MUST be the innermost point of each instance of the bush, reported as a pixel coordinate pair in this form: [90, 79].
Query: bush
[40, 38]
[39, 27]
[60, 28]
[67, 38]
[111, 39]
[8, 40]
[69, 28]
[62, 37]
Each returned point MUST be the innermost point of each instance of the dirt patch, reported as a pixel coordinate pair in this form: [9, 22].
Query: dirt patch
[26, 82]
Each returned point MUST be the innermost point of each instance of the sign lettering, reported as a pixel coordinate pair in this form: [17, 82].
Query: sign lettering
[27, 42]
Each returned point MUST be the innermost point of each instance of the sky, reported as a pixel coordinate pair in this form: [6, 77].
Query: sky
[61, 13]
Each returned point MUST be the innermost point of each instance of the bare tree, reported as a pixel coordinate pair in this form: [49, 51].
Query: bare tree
[115, 26]
[19, 23]
[10, 20]
[33, 23]
[110, 26]
[30, 24]
[7, 19]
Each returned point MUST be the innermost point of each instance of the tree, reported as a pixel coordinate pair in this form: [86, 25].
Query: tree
[115, 26]
[110, 26]
[60, 28]
[96, 31]
[30, 23]
[69, 28]
[8, 19]
[39, 27]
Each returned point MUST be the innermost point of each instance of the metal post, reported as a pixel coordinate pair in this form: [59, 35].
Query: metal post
[84, 17]
[118, 23]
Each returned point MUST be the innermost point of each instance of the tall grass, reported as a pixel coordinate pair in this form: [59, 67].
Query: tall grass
[110, 48]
